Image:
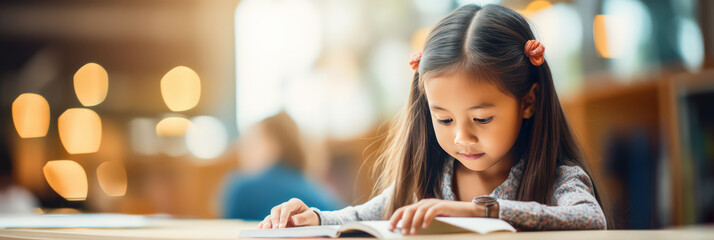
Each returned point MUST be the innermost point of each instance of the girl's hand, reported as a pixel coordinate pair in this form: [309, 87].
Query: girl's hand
[420, 214]
[293, 213]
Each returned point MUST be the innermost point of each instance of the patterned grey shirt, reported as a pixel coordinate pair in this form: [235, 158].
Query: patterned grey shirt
[575, 204]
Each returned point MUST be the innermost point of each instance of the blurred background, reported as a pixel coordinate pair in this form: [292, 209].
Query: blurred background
[205, 109]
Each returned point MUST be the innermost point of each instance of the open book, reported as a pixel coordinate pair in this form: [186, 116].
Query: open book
[380, 229]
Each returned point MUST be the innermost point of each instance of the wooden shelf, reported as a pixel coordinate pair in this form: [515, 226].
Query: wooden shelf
[604, 110]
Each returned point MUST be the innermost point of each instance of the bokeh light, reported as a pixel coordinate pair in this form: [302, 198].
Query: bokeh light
[323, 107]
[388, 64]
[536, 6]
[628, 25]
[690, 44]
[206, 137]
[112, 178]
[418, 39]
[563, 53]
[479, 2]
[351, 112]
[628, 29]
[31, 115]
[91, 83]
[172, 127]
[265, 60]
[306, 101]
[600, 24]
[181, 88]
[67, 178]
[431, 11]
[557, 21]
[80, 130]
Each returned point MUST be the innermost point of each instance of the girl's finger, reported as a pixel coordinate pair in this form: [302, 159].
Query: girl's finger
[395, 219]
[429, 216]
[418, 218]
[407, 219]
[305, 218]
[285, 213]
[268, 225]
[275, 215]
[266, 222]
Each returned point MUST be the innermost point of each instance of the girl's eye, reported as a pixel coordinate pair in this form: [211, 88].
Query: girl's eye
[445, 121]
[483, 121]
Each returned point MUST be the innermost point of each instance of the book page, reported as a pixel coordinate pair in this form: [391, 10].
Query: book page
[479, 225]
[378, 229]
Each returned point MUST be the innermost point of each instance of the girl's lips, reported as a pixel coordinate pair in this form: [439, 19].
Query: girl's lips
[471, 156]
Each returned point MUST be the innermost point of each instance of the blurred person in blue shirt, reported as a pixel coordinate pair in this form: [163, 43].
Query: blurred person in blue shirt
[271, 171]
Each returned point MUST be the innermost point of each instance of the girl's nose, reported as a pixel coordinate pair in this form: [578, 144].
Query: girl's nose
[464, 136]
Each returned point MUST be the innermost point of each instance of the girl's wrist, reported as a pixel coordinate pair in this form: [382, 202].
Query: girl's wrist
[477, 211]
[486, 206]
[319, 219]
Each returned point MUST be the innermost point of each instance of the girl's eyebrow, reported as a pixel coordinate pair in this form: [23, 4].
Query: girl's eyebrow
[483, 105]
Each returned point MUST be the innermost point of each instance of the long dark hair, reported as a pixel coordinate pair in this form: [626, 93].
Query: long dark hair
[488, 41]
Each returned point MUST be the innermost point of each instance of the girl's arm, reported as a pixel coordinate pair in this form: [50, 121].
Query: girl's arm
[371, 210]
[576, 206]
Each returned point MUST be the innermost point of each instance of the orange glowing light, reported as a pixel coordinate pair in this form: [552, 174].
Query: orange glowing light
[112, 178]
[181, 88]
[600, 37]
[172, 127]
[536, 6]
[31, 115]
[80, 130]
[67, 178]
[91, 83]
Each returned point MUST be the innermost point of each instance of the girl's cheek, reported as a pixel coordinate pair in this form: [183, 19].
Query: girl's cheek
[506, 137]
[444, 141]
[494, 140]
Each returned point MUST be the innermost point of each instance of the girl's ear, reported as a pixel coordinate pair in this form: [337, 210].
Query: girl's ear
[528, 102]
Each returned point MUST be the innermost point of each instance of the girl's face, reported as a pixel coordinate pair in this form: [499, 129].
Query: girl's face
[474, 121]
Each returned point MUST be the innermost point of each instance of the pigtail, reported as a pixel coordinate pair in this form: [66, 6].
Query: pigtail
[541, 159]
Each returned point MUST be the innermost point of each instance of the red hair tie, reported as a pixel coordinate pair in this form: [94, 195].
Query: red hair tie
[415, 59]
[534, 50]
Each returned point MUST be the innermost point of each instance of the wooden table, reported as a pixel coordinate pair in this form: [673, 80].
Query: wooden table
[228, 229]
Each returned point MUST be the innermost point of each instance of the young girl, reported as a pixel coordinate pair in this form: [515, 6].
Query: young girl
[483, 135]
